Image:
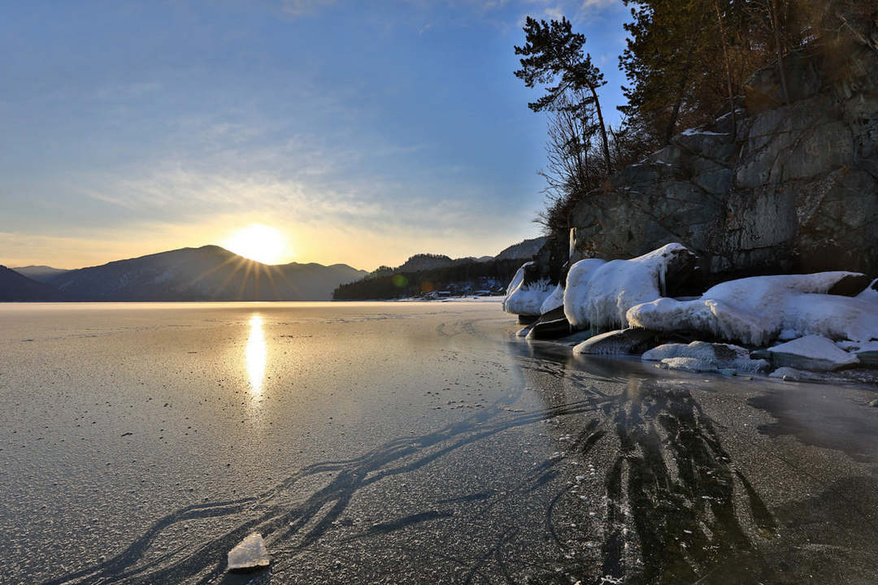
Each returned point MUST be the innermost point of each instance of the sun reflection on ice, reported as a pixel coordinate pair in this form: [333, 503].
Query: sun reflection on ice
[256, 354]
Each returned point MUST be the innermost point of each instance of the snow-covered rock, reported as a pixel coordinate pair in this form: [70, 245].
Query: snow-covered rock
[688, 364]
[870, 293]
[576, 292]
[525, 299]
[600, 294]
[719, 356]
[754, 311]
[620, 342]
[812, 352]
[249, 554]
[867, 353]
[792, 374]
[553, 301]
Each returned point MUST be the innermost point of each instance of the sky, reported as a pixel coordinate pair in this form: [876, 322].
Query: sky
[364, 132]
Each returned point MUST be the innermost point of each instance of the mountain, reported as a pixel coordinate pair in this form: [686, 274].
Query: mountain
[524, 250]
[209, 273]
[17, 287]
[40, 273]
[420, 262]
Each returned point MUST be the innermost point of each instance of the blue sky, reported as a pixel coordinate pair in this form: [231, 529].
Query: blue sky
[364, 131]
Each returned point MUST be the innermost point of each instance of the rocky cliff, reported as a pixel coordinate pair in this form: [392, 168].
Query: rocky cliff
[784, 187]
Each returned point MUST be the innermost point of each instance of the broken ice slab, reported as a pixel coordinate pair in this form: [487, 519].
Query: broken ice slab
[250, 554]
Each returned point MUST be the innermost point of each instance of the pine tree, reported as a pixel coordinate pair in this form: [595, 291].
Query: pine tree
[553, 54]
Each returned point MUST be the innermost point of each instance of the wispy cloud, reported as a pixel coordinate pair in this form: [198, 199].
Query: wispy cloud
[304, 7]
[592, 8]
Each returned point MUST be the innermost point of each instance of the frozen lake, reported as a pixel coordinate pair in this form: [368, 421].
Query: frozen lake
[409, 443]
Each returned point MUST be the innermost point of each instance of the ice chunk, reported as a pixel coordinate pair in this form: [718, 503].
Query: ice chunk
[812, 352]
[249, 554]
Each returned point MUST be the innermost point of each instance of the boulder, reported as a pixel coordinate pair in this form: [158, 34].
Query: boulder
[527, 291]
[814, 353]
[551, 325]
[600, 294]
[712, 356]
[688, 364]
[621, 342]
[867, 353]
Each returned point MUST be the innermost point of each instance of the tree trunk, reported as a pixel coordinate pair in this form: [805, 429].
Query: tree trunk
[606, 143]
[678, 103]
[778, 47]
[722, 35]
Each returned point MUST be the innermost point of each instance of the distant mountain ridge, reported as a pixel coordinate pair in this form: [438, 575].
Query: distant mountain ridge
[40, 273]
[212, 273]
[209, 273]
[524, 250]
[15, 287]
[423, 275]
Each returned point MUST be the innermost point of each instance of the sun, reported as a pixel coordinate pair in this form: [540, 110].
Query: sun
[258, 242]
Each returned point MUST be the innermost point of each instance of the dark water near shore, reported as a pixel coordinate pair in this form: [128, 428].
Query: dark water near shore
[409, 443]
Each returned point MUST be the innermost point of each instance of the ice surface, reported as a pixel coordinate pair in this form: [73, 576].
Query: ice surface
[249, 554]
[754, 311]
[602, 294]
[525, 299]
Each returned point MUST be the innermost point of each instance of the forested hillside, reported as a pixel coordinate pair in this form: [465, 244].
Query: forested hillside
[686, 62]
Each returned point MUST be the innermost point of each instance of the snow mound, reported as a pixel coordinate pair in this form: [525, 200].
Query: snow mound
[250, 553]
[602, 294]
[576, 293]
[719, 356]
[812, 352]
[525, 299]
[754, 311]
[870, 293]
[553, 301]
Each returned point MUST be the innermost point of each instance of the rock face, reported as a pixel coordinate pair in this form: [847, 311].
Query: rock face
[794, 188]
